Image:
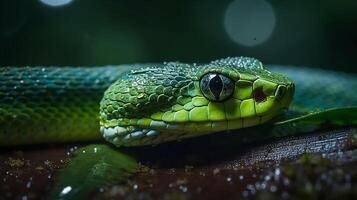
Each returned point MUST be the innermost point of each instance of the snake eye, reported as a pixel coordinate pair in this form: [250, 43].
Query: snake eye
[216, 87]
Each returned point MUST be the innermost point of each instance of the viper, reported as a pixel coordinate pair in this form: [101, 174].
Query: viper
[148, 104]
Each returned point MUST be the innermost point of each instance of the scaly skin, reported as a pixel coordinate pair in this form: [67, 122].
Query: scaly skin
[158, 104]
[149, 105]
[52, 104]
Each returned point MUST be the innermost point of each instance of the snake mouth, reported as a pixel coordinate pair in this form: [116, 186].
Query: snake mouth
[119, 135]
[158, 131]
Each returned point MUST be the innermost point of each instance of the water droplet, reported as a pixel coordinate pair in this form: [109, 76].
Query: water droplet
[183, 188]
[267, 178]
[28, 184]
[277, 172]
[257, 185]
[251, 188]
[263, 185]
[273, 188]
[65, 190]
[216, 171]
[286, 181]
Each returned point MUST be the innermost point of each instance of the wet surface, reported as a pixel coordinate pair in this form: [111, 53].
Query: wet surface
[27, 173]
[319, 166]
[259, 182]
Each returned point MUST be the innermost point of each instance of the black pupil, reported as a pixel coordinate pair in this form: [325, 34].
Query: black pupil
[216, 86]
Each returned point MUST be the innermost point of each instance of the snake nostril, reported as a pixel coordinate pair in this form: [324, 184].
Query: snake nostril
[280, 91]
[259, 95]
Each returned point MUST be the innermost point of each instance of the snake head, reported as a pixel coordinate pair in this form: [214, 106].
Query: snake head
[176, 100]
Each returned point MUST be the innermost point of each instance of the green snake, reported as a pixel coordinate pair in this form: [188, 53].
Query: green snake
[147, 104]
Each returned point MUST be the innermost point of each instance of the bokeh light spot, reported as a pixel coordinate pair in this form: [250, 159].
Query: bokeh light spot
[249, 22]
[56, 2]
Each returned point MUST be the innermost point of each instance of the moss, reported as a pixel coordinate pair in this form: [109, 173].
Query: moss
[15, 162]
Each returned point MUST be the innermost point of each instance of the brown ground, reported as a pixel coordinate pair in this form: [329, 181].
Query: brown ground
[320, 166]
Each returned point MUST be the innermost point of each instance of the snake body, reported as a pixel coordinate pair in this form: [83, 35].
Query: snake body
[151, 104]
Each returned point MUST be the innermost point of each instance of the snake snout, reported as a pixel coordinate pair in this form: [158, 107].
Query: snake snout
[284, 90]
[284, 93]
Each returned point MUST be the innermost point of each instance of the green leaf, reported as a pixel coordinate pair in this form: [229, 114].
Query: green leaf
[92, 167]
[331, 118]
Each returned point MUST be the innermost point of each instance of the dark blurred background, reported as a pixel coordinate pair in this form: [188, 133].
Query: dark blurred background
[100, 32]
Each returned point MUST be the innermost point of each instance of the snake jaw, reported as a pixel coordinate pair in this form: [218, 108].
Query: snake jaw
[127, 135]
